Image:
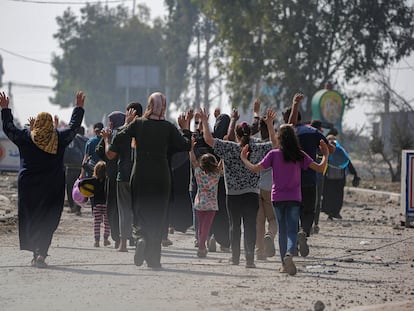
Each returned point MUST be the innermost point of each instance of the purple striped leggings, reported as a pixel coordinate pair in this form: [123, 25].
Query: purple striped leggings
[99, 216]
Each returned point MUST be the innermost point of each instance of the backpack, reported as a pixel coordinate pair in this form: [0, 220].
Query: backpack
[74, 152]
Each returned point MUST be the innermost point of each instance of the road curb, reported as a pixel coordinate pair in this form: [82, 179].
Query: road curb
[377, 193]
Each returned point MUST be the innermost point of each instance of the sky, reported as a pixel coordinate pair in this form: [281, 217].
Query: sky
[27, 43]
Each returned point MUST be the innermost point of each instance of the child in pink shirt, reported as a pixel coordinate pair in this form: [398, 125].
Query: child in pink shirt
[286, 163]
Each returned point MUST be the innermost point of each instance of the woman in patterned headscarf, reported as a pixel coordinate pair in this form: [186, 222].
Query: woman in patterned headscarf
[41, 182]
[156, 139]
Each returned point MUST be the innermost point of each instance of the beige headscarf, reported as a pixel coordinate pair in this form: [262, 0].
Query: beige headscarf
[156, 106]
[44, 134]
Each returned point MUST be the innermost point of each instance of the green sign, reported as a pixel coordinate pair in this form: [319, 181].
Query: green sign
[328, 106]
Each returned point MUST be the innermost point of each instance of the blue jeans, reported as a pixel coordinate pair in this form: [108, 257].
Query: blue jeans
[287, 213]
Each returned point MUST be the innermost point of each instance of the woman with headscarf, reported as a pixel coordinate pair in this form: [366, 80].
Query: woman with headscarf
[41, 181]
[150, 178]
[339, 165]
[123, 155]
[116, 119]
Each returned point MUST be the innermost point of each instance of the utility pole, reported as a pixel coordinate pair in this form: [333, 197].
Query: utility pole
[133, 7]
[10, 94]
[1, 71]
[197, 78]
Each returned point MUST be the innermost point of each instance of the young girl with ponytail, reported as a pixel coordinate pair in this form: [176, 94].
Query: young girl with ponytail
[287, 162]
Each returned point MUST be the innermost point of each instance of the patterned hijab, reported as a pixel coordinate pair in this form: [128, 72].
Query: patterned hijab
[43, 134]
[156, 106]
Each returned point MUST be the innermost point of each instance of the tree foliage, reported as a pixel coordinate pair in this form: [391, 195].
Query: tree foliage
[179, 32]
[93, 46]
[292, 44]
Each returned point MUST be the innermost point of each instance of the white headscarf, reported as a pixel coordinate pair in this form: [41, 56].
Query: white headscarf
[156, 106]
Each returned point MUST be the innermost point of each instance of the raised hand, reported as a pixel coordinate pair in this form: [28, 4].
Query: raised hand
[204, 116]
[297, 98]
[324, 148]
[183, 121]
[80, 99]
[130, 115]
[4, 100]
[235, 114]
[270, 117]
[256, 107]
[106, 134]
[56, 121]
[31, 122]
[190, 114]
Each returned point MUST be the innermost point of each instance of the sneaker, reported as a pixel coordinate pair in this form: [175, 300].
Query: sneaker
[202, 253]
[106, 242]
[269, 246]
[139, 252]
[96, 244]
[117, 242]
[250, 264]
[289, 265]
[315, 229]
[212, 247]
[303, 244]
[234, 262]
[78, 211]
[166, 242]
[40, 262]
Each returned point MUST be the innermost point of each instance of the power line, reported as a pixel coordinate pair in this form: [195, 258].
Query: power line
[28, 85]
[403, 68]
[25, 57]
[409, 66]
[70, 2]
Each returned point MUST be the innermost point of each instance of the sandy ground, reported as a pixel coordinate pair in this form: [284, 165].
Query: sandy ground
[363, 262]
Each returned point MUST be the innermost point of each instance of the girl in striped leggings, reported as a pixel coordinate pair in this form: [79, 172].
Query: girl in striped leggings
[96, 186]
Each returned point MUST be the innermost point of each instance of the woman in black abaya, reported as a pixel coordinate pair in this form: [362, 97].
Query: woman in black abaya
[41, 181]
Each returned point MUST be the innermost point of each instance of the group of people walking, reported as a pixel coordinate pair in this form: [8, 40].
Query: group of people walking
[236, 179]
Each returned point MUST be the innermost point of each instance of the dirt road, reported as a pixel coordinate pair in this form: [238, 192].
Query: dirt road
[363, 260]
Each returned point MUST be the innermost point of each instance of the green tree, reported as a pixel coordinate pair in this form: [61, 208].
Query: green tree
[292, 44]
[93, 45]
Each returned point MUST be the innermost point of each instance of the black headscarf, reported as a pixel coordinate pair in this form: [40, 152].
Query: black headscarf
[221, 126]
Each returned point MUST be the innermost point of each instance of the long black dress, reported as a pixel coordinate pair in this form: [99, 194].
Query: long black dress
[41, 183]
[151, 179]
